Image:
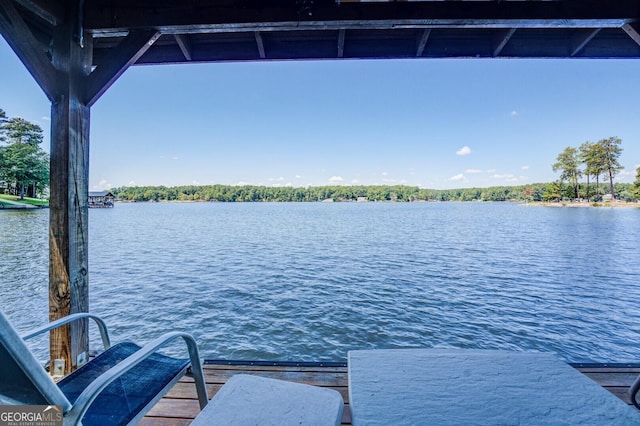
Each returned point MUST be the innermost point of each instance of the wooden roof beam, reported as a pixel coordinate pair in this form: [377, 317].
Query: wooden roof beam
[49, 11]
[260, 44]
[581, 43]
[633, 30]
[116, 63]
[184, 45]
[386, 24]
[503, 41]
[167, 15]
[423, 41]
[31, 52]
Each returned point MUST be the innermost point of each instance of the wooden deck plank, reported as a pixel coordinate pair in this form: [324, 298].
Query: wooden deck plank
[184, 390]
[330, 379]
[180, 405]
[607, 379]
[160, 421]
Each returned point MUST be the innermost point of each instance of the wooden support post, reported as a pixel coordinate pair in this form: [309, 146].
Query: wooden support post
[63, 69]
[68, 227]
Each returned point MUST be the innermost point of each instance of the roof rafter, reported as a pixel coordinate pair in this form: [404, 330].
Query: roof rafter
[203, 15]
[184, 45]
[260, 44]
[423, 41]
[633, 30]
[119, 59]
[584, 41]
[31, 52]
[49, 11]
[503, 42]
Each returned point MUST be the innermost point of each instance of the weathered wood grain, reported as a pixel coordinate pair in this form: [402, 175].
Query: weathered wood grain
[68, 212]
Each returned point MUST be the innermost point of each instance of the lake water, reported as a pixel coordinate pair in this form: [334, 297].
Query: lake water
[310, 281]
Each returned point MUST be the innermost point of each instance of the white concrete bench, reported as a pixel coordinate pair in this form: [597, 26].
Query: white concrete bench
[254, 400]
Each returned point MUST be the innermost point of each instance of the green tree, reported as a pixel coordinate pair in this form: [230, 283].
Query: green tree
[23, 164]
[3, 121]
[590, 155]
[19, 130]
[610, 151]
[636, 185]
[567, 163]
[552, 192]
[26, 165]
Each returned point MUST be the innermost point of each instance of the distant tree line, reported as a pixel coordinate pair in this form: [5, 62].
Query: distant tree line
[24, 166]
[249, 193]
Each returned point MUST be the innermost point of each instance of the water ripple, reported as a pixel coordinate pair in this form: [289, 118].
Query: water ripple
[312, 281]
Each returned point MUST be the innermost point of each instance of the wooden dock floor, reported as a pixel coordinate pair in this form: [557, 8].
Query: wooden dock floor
[180, 405]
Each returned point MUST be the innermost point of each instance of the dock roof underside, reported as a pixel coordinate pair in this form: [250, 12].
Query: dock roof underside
[249, 30]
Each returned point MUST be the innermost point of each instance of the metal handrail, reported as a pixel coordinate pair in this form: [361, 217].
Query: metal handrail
[104, 333]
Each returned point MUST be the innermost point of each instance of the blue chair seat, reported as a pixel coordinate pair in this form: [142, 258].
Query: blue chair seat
[118, 403]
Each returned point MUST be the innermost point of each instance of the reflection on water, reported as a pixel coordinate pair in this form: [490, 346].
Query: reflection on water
[311, 281]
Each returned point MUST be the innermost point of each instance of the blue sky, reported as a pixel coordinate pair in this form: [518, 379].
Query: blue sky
[429, 123]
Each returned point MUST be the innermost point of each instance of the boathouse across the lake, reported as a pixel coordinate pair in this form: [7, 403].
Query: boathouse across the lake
[100, 199]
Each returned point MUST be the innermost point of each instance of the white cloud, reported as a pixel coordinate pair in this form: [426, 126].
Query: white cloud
[389, 180]
[355, 181]
[132, 183]
[46, 118]
[505, 176]
[335, 179]
[242, 183]
[491, 171]
[195, 182]
[385, 174]
[465, 150]
[289, 184]
[514, 113]
[279, 179]
[473, 171]
[298, 177]
[102, 186]
[524, 168]
[458, 177]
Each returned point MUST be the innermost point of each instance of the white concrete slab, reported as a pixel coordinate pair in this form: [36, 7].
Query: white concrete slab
[476, 387]
[253, 400]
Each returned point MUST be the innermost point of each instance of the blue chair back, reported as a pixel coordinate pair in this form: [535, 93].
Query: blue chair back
[22, 379]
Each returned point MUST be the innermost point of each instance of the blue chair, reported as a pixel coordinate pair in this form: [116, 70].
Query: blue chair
[633, 392]
[117, 387]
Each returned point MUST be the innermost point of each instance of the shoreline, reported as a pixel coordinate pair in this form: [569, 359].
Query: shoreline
[573, 204]
[557, 204]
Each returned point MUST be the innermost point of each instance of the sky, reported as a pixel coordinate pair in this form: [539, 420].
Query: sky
[438, 124]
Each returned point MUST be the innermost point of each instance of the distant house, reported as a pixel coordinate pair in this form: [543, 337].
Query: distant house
[607, 197]
[100, 199]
